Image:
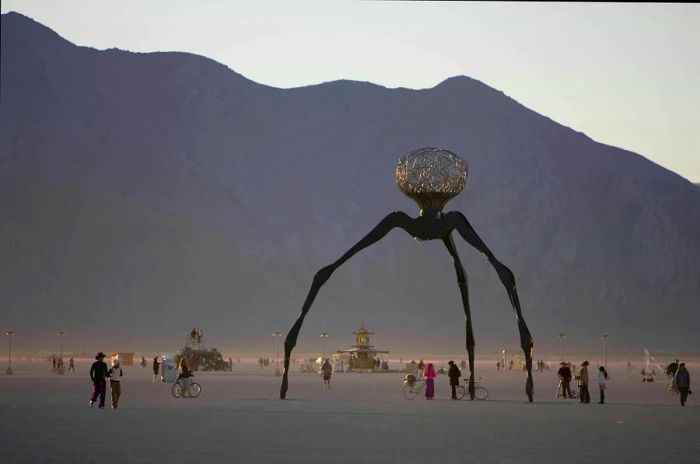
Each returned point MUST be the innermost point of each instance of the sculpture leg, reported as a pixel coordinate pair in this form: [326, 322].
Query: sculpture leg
[291, 340]
[464, 291]
[459, 222]
[392, 220]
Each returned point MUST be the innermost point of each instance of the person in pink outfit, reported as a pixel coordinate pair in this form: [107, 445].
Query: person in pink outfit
[429, 374]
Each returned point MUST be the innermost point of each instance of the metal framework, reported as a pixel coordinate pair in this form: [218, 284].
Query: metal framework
[431, 177]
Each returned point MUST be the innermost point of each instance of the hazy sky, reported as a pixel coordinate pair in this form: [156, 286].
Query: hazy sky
[625, 74]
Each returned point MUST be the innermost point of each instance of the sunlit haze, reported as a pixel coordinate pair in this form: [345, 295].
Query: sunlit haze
[624, 74]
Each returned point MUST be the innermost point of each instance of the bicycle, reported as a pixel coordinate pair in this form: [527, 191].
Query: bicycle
[480, 392]
[573, 391]
[412, 387]
[671, 387]
[193, 390]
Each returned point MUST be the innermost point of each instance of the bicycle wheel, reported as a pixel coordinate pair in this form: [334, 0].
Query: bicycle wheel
[481, 393]
[410, 391]
[195, 390]
[461, 391]
[177, 390]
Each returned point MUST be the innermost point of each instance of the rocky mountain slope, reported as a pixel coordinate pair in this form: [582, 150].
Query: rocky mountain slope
[163, 191]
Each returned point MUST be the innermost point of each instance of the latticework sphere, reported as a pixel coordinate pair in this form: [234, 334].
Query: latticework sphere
[431, 176]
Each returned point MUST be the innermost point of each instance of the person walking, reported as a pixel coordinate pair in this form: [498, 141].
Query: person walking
[327, 371]
[683, 382]
[429, 375]
[454, 374]
[602, 377]
[71, 365]
[565, 379]
[156, 366]
[98, 372]
[582, 378]
[115, 387]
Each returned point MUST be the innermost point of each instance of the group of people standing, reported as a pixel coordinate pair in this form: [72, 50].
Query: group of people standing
[582, 381]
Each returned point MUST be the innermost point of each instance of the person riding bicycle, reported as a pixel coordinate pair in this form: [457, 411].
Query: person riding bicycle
[185, 374]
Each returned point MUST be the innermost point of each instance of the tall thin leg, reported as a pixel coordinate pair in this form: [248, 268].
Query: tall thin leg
[395, 219]
[464, 291]
[459, 222]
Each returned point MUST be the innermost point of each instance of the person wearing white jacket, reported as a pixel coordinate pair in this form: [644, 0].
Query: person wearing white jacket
[602, 377]
[115, 373]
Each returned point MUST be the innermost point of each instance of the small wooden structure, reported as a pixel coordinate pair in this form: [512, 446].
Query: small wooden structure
[125, 359]
[363, 355]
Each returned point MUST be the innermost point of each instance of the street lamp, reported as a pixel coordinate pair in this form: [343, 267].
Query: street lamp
[277, 351]
[324, 337]
[9, 333]
[503, 360]
[561, 336]
[604, 337]
[61, 334]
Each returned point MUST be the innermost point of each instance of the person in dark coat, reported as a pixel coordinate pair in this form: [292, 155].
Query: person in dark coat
[565, 378]
[454, 374]
[156, 366]
[683, 382]
[98, 372]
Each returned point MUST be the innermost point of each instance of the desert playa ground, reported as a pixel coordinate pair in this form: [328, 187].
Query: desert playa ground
[363, 418]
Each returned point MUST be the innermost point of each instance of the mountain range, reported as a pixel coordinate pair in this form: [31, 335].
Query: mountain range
[156, 192]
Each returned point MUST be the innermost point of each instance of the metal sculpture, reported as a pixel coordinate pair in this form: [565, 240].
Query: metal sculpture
[431, 177]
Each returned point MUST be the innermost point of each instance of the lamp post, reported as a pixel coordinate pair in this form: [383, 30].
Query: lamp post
[9, 333]
[604, 337]
[277, 351]
[61, 334]
[324, 337]
[561, 336]
[503, 360]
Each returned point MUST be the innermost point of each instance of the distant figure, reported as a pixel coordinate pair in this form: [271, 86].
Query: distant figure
[463, 364]
[683, 382]
[602, 377]
[53, 362]
[230, 364]
[98, 372]
[185, 374]
[582, 378]
[421, 367]
[71, 365]
[327, 370]
[498, 365]
[454, 374]
[115, 387]
[143, 362]
[565, 379]
[156, 366]
[429, 375]
[672, 368]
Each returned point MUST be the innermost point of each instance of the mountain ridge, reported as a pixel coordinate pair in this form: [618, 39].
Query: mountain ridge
[285, 180]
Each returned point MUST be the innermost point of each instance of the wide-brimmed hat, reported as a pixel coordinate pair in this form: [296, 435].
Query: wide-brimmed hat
[585, 363]
[450, 362]
[99, 355]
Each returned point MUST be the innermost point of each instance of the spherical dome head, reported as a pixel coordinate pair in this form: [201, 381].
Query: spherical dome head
[431, 177]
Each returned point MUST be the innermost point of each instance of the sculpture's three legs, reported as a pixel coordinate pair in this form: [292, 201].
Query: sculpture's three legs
[464, 291]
